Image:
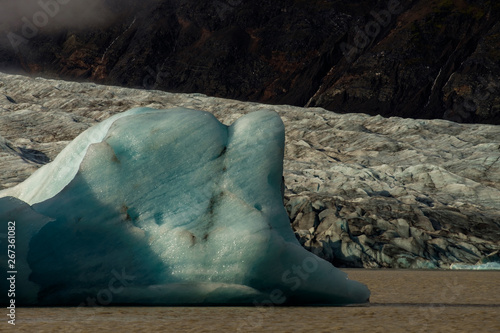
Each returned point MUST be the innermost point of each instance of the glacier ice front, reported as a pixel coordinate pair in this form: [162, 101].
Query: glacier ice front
[166, 207]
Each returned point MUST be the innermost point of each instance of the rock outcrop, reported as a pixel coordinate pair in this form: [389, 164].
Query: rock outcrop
[360, 191]
[408, 58]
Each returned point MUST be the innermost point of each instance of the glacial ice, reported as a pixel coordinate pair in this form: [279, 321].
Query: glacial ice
[166, 207]
[489, 266]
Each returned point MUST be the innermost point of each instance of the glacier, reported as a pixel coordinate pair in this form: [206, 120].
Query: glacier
[166, 207]
[489, 266]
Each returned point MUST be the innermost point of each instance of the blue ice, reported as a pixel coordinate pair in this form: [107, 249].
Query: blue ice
[166, 207]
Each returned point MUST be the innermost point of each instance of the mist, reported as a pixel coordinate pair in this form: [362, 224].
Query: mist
[59, 14]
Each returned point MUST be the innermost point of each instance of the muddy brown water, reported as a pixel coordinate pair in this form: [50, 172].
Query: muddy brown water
[401, 301]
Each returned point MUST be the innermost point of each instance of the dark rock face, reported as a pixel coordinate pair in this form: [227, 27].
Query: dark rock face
[419, 58]
[417, 69]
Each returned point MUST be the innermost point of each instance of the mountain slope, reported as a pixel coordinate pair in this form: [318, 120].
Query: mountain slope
[419, 58]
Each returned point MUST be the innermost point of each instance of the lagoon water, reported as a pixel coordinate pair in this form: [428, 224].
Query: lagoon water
[401, 301]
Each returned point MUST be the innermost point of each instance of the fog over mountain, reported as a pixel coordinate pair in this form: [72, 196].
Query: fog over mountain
[62, 13]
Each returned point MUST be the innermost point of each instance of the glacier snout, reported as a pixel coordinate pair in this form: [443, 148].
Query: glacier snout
[189, 210]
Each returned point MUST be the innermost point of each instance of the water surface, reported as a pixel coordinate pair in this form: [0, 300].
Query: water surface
[401, 301]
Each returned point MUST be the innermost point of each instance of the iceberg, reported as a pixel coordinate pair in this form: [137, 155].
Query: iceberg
[165, 207]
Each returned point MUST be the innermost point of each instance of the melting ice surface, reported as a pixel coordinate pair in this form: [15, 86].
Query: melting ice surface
[479, 267]
[166, 207]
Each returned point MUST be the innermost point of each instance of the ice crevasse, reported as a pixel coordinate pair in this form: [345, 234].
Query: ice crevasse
[165, 207]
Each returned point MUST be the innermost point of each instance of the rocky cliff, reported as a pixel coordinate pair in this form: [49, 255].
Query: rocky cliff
[411, 58]
[360, 191]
